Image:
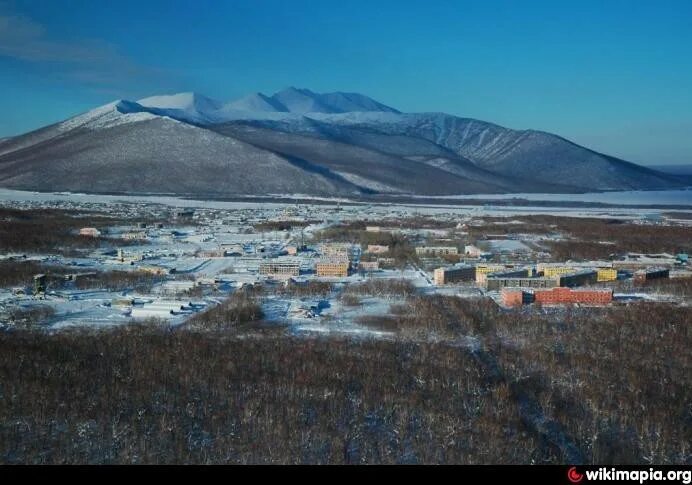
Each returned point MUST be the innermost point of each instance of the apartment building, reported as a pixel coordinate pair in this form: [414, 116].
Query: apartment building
[457, 273]
[437, 250]
[337, 268]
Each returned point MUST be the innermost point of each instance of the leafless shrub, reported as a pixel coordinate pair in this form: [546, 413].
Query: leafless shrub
[349, 299]
[379, 322]
[309, 288]
[381, 287]
[142, 281]
[20, 272]
[287, 225]
[29, 317]
[237, 309]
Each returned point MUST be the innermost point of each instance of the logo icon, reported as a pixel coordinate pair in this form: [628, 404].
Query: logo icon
[574, 476]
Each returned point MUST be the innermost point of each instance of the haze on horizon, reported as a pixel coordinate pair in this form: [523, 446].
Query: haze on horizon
[613, 76]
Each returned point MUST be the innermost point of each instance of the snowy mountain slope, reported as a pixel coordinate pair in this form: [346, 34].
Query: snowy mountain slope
[187, 102]
[396, 173]
[300, 141]
[159, 155]
[539, 156]
[404, 148]
[302, 101]
[256, 102]
[110, 114]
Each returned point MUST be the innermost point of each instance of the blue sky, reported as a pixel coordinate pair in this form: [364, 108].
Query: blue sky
[613, 75]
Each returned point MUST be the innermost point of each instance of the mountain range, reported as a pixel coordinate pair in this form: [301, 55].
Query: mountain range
[301, 142]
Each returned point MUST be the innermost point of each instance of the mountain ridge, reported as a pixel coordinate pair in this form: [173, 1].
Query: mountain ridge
[297, 140]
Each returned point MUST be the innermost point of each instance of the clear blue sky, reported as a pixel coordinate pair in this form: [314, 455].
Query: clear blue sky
[613, 75]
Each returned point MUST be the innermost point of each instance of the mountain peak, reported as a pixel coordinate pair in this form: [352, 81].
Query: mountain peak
[298, 101]
[293, 89]
[301, 101]
[256, 102]
[189, 102]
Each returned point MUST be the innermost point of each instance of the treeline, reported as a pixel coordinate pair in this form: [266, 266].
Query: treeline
[31, 317]
[626, 236]
[670, 286]
[302, 289]
[581, 250]
[52, 231]
[380, 287]
[589, 237]
[21, 273]
[286, 225]
[681, 287]
[115, 280]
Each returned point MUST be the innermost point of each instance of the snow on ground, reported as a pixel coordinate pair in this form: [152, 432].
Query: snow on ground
[507, 245]
[176, 247]
[384, 209]
[327, 315]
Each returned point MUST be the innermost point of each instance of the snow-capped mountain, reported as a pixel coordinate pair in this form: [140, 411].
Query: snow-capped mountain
[299, 141]
[256, 102]
[302, 101]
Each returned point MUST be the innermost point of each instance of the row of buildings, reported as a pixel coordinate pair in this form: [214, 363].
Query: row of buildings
[493, 277]
[545, 284]
[336, 260]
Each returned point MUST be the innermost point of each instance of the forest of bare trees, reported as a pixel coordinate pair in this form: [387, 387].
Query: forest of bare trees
[593, 238]
[462, 382]
[53, 231]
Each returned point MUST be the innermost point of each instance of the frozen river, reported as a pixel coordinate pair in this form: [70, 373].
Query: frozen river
[631, 197]
[624, 198]
[622, 203]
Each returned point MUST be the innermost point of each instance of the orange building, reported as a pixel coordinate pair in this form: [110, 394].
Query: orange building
[512, 296]
[557, 296]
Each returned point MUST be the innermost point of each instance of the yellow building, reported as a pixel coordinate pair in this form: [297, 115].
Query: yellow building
[333, 268]
[552, 271]
[607, 274]
[490, 268]
[604, 274]
[482, 270]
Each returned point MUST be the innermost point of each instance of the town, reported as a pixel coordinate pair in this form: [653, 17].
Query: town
[143, 261]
